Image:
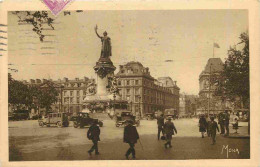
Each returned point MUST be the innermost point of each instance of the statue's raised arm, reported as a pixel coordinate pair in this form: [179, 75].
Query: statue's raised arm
[97, 32]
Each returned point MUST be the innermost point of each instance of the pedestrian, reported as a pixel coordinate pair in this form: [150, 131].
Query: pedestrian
[130, 136]
[213, 127]
[160, 123]
[93, 134]
[207, 128]
[202, 125]
[235, 125]
[221, 122]
[226, 123]
[169, 129]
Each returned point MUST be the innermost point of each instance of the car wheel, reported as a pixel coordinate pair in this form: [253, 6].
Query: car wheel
[100, 124]
[41, 124]
[59, 124]
[75, 125]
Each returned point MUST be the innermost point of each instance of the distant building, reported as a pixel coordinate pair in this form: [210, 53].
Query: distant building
[72, 92]
[144, 93]
[214, 67]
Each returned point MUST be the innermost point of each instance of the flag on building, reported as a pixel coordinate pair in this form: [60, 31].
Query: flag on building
[216, 45]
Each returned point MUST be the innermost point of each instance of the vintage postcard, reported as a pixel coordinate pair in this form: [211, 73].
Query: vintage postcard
[123, 83]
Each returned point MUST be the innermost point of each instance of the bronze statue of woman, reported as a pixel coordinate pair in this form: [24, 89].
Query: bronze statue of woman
[106, 44]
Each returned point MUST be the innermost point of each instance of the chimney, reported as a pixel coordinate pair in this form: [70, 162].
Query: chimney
[86, 79]
[76, 79]
[65, 79]
[38, 81]
[32, 81]
[44, 80]
[175, 83]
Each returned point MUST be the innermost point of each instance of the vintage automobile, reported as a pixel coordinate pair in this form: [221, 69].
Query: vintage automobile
[170, 113]
[84, 119]
[122, 117]
[58, 119]
[149, 116]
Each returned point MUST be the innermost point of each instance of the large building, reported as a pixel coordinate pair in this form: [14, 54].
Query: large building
[188, 104]
[207, 99]
[72, 92]
[144, 93]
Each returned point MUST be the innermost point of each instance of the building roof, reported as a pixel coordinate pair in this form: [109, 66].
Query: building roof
[216, 65]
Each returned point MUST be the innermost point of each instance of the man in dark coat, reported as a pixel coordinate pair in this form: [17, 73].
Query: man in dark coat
[93, 134]
[202, 125]
[160, 123]
[213, 127]
[221, 122]
[130, 136]
[169, 129]
[227, 117]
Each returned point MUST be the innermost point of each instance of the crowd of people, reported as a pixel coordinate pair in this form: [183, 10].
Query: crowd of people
[208, 125]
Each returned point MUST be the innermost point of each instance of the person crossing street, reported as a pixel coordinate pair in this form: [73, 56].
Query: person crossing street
[93, 134]
[130, 136]
[169, 130]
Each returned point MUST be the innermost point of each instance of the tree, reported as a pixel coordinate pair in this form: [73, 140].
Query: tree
[233, 82]
[36, 19]
[47, 95]
[18, 93]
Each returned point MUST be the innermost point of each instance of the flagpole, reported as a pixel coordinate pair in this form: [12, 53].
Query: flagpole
[213, 49]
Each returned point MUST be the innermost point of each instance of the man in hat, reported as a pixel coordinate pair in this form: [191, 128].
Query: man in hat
[221, 122]
[227, 117]
[160, 123]
[213, 127]
[169, 129]
[130, 136]
[93, 134]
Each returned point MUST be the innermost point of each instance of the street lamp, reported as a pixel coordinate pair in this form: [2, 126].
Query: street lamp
[61, 107]
[114, 96]
[140, 105]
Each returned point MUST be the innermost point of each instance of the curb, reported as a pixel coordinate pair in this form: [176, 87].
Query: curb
[238, 137]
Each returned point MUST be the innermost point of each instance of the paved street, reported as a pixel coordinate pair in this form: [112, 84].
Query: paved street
[29, 142]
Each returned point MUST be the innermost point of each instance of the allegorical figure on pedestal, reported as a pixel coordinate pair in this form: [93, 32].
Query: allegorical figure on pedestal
[106, 44]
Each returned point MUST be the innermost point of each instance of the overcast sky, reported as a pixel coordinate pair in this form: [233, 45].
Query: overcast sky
[150, 37]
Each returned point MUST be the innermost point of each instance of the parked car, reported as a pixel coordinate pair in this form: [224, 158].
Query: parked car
[84, 119]
[58, 119]
[19, 115]
[170, 113]
[121, 118]
[149, 116]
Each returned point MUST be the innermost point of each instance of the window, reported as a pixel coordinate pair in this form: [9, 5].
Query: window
[71, 93]
[128, 91]
[120, 91]
[137, 91]
[84, 92]
[77, 99]
[78, 93]
[136, 82]
[122, 71]
[119, 83]
[71, 100]
[127, 82]
[136, 99]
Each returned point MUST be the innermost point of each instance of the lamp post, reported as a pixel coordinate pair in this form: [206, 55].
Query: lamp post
[114, 96]
[140, 105]
[60, 106]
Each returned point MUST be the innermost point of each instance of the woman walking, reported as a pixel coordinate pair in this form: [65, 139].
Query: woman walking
[202, 125]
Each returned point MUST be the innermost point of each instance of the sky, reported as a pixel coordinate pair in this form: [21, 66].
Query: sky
[149, 36]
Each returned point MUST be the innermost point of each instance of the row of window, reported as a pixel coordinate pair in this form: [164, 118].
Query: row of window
[70, 93]
[75, 85]
[128, 82]
[71, 99]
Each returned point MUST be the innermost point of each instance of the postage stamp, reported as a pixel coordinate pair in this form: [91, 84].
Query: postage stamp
[56, 5]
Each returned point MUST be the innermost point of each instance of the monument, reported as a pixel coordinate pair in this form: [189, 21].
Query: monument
[106, 90]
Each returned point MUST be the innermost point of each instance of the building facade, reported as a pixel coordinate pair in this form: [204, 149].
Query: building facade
[208, 101]
[70, 92]
[144, 93]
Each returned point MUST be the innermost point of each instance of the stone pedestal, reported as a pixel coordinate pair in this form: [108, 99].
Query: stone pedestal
[103, 68]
